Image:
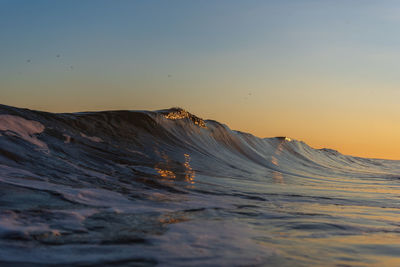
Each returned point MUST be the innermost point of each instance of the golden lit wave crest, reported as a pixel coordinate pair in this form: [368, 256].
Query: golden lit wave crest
[178, 114]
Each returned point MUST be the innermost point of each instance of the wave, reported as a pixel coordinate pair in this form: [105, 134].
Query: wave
[80, 170]
[163, 138]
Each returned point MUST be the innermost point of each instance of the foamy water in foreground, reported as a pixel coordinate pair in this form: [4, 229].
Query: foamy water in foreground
[167, 188]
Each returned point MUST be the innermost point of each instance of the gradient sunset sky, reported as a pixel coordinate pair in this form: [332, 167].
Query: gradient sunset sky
[325, 72]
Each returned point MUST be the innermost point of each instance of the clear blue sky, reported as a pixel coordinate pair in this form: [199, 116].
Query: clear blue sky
[325, 72]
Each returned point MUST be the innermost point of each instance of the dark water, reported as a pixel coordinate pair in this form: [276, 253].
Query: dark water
[140, 188]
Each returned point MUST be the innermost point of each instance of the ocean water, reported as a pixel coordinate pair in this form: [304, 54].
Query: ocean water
[166, 188]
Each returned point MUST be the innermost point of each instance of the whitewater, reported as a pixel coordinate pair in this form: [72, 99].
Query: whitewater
[167, 188]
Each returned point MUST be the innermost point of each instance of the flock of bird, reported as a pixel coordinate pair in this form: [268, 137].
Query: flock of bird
[71, 67]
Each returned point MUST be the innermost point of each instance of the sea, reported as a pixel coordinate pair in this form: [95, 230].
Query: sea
[167, 188]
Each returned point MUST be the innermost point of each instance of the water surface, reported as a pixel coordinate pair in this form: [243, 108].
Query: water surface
[163, 188]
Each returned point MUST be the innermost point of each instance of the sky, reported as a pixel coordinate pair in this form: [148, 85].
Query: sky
[324, 72]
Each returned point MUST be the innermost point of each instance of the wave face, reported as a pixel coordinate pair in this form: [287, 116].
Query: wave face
[168, 188]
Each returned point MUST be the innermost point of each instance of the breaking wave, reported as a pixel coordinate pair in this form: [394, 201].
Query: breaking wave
[168, 188]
